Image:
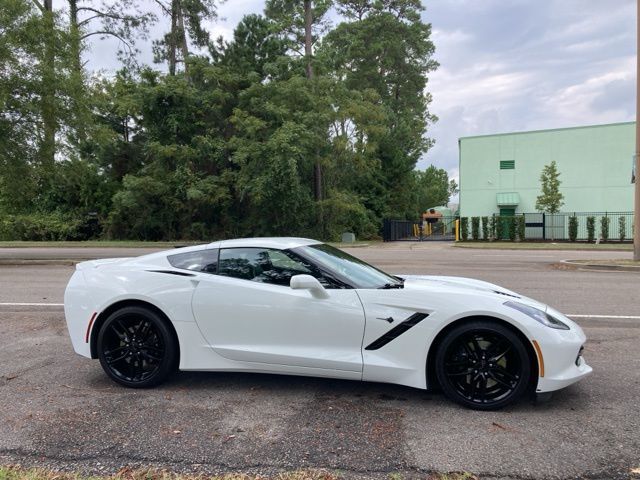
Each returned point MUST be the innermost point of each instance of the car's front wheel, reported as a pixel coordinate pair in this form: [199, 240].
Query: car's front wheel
[483, 365]
[136, 348]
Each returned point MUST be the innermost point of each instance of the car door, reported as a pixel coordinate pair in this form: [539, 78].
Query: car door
[248, 313]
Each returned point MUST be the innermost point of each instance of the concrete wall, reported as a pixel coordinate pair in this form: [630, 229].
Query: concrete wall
[594, 164]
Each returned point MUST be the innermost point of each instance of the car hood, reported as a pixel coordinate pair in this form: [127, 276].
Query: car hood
[467, 285]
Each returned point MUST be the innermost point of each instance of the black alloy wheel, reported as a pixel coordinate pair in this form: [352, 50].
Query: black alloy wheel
[136, 348]
[483, 365]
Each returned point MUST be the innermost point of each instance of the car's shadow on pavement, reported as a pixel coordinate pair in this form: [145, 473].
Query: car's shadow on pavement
[263, 385]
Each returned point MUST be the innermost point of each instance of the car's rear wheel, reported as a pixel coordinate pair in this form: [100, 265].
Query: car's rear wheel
[136, 348]
[483, 365]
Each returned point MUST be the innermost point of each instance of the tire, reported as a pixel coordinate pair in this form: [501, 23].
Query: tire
[483, 365]
[137, 348]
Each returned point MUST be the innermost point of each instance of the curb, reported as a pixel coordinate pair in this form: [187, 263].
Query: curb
[600, 266]
[41, 261]
[488, 246]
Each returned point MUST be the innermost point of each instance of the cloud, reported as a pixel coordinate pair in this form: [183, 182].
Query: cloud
[519, 65]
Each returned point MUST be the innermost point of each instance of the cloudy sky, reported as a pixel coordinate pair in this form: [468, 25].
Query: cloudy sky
[505, 65]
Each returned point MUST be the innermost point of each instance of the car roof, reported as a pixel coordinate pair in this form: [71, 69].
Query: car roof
[281, 243]
[265, 242]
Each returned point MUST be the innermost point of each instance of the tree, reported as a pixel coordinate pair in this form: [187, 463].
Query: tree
[292, 127]
[551, 199]
[386, 47]
[19, 105]
[187, 17]
[299, 24]
[253, 50]
[433, 188]
[122, 20]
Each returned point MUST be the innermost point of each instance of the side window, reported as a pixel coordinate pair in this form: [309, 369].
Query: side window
[268, 266]
[200, 261]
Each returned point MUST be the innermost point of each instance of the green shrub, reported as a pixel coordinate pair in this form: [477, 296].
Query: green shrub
[475, 228]
[573, 228]
[485, 228]
[622, 227]
[591, 229]
[512, 228]
[42, 227]
[493, 227]
[464, 229]
[604, 228]
[344, 212]
[521, 227]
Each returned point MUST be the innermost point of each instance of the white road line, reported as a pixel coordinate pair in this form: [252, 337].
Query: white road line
[632, 317]
[30, 304]
[512, 255]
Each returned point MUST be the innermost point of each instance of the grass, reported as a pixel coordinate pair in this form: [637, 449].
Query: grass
[613, 261]
[621, 247]
[19, 473]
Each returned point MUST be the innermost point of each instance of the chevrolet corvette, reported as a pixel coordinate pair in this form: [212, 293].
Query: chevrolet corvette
[301, 307]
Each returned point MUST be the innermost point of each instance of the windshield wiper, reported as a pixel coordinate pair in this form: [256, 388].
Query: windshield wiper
[388, 286]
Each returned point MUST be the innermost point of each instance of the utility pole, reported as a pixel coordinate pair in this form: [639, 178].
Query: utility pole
[636, 214]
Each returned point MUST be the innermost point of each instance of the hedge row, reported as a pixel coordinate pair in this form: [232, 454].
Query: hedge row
[490, 226]
[37, 227]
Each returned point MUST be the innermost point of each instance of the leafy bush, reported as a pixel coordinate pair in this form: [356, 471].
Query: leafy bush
[464, 229]
[622, 227]
[591, 229]
[493, 227]
[512, 228]
[521, 227]
[573, 228]
[485, 228]
[42, 227]
[475, 228]
[604, 228]
[346, 213]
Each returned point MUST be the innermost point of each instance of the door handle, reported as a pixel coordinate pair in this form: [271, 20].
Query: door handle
[388, 319]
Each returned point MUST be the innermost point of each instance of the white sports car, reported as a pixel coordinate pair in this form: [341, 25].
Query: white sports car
[301, 307]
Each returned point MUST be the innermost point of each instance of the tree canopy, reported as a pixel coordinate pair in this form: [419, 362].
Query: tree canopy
[550, 199]
[294, 126]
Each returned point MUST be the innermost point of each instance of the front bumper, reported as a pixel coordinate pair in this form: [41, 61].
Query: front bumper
[562, 360]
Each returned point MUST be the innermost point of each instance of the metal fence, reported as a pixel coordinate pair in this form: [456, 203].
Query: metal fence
[546, 226]
[618, 226]
[443, 228]
[538, 226]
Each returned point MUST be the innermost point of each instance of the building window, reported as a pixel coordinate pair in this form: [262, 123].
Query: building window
[507, 164]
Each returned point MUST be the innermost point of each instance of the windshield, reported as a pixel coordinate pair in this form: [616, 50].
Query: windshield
[355, 271]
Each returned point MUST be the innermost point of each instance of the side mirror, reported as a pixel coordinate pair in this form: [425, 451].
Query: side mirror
[307, 282]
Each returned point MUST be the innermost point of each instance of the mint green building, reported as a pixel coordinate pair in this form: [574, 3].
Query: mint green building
[500, 174]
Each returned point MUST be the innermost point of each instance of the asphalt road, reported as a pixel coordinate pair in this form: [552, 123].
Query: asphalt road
[59, 409]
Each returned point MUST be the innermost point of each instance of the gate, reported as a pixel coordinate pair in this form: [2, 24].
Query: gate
[442, 229]
[401, 230]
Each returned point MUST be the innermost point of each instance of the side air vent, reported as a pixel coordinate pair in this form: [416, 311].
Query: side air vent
[506, 294]
[172, 272]
[396, 331]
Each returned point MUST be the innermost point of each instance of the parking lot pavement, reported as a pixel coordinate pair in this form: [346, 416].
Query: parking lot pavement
[59, 409]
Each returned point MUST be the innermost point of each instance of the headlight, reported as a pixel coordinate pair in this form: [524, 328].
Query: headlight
[538, 315]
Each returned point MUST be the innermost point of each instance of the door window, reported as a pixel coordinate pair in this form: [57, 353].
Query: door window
[268, 266]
